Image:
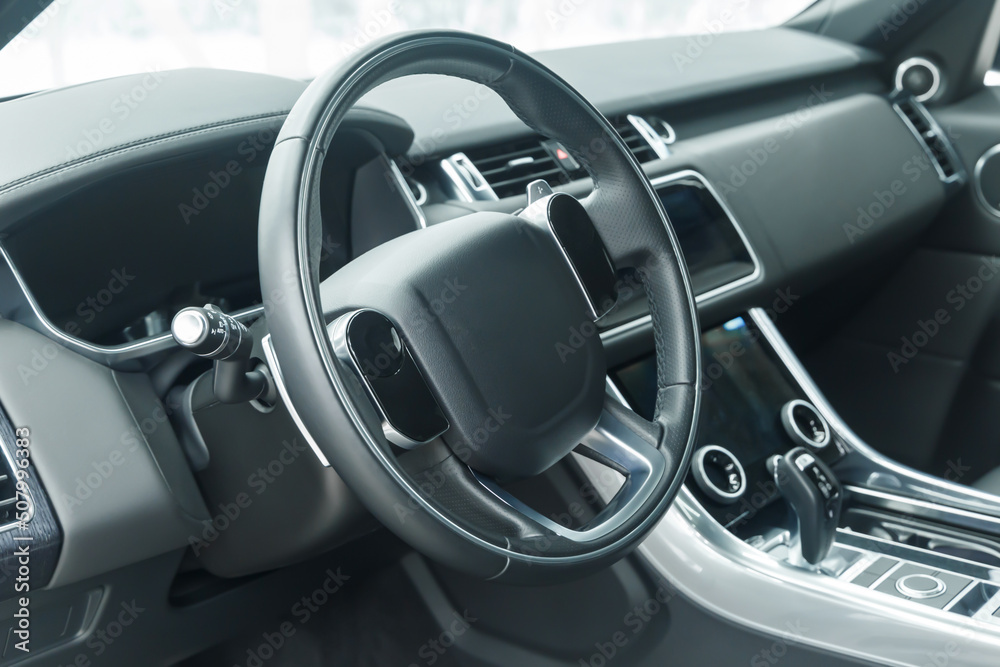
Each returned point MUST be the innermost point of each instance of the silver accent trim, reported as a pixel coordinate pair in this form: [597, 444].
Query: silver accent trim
[279, 382]
[792, 427]
[977, 177]
[757, 270]
[520, 161]
[927, 510]
[189, 327]
[904, 588]
[651, 136]
[705, 563]
[610, 441]
[468, 184]
[701, 476]
[538, 214]
[671, 135]
[338, 338]
[411, 203]
[864, 465]
[921, 62]
[27, 312]
[935, 130]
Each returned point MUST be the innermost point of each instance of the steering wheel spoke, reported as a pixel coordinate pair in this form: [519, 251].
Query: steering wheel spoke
[614, 444]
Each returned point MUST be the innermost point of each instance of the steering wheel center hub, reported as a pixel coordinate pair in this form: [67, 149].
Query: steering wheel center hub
[496, 322]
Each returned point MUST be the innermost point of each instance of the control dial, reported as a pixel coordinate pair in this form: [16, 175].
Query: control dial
[805, 425]
[719, 474]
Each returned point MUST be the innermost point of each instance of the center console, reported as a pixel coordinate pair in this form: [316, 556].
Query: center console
[909, 561]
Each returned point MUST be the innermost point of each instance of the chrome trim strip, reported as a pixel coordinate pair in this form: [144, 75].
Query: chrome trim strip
[926, 510]
[338, 338]
[977, 178]
[915, 61]
[651, 136]
[757, 270]
[404, 189]
[865, 466]
[29, 313]
[668, 128]
[706, 563]
[959, 174]
[788, 420]
[463, 175]
[537, 213]
[612, 441]
[701, 476]
[279, 382]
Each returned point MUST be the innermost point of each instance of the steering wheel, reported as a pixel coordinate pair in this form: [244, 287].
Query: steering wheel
[435, 368]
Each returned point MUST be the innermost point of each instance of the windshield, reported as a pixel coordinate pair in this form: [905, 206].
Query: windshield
[74, 41]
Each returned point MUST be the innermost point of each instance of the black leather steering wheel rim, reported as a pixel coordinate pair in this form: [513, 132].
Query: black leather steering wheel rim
[447, 522]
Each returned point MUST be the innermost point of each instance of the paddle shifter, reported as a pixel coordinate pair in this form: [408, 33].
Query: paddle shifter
[814, 496]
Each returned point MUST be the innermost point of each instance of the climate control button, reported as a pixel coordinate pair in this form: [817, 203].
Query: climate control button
[805, 425]
[719, 474]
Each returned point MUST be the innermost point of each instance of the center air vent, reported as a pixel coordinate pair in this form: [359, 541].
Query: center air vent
[505, 170]
[509, 168]
[644, 142]
[943, 156]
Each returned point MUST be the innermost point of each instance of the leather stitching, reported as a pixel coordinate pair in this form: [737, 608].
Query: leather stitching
[159, 139]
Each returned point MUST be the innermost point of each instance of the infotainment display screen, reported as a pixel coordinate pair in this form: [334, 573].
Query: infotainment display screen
[712, 246]
[744, 387]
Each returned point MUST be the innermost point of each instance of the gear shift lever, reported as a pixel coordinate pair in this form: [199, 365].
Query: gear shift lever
[814, 496]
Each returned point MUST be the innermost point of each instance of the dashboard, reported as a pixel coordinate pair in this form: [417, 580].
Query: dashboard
[113, 262]
[104, 246]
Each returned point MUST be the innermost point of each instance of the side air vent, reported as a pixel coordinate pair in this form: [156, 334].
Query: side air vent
[509, 168]
[942, 154]
[8, 494]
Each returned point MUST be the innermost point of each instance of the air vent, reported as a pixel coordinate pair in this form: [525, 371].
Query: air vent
[505, 170]
[509, 168]
[8, 494]
[932, 137]
[639, 145]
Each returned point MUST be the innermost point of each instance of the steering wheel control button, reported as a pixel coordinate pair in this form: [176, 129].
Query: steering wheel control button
[190, 327]
[719, 474]
[369, 344]
[376, 345]
[920, 586]
[805, 425]
[211, 333]
[538, 190]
